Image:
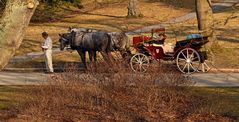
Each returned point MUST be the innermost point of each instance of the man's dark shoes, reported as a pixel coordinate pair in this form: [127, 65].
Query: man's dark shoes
[49, 72]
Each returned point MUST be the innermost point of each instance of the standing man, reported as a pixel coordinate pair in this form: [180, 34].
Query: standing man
[47, 47]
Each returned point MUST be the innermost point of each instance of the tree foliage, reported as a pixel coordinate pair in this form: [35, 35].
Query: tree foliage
[58, 2]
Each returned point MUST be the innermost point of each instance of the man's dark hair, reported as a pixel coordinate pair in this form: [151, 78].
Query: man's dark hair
[44, 34]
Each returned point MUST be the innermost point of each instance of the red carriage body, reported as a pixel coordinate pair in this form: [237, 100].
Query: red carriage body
[155, 51]
[189, 47]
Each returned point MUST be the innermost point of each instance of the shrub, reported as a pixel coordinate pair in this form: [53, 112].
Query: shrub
[104, 93]
[52, 10]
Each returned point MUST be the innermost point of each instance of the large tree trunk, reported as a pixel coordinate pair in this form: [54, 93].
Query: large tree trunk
[133, 10]
[205, 17]
[15, 19]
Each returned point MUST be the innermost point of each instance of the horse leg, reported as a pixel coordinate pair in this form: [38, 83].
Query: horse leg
[84, 59]
[110, 56]
[82, 55]
[90, 55]
[107, 57]
[104, 55]
[95, 56]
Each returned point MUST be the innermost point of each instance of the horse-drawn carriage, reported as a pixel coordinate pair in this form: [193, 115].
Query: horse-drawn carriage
[187, 53]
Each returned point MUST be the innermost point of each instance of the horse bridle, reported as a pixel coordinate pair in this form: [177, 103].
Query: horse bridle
[65, 40]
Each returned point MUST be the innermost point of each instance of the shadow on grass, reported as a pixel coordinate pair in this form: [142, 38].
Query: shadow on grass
[88, 13]
[188, 4]
[221, 100]
[40, 66]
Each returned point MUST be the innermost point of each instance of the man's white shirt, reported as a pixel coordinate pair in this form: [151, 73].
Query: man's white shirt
[47, 44]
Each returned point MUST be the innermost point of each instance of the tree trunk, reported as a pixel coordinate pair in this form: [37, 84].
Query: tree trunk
[133, 10]
[15, 19]
[204, 17]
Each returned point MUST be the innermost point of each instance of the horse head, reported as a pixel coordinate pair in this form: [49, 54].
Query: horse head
[64, 40]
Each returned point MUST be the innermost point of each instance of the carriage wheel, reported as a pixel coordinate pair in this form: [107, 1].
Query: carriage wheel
[188, 61]
[139, 63]
[207, 65]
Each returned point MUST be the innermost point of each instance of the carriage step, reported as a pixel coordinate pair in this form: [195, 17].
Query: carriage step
[169, 54]
[168, 58]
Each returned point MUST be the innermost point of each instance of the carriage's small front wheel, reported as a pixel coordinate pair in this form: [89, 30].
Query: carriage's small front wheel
[139, 62]
[188, 61]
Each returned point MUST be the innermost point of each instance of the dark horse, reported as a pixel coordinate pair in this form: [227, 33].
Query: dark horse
[119, 40]
[91, 42]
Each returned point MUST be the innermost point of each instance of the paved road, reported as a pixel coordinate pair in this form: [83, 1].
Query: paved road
[32, 55]
[15, 78]
[217, 79]
[201, 79]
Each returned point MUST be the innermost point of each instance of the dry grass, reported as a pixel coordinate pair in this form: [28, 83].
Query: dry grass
[115, 94]
[226, 57]
[109, 17]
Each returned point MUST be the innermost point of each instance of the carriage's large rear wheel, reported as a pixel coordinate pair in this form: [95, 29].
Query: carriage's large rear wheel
[188, 61]
[139, 63]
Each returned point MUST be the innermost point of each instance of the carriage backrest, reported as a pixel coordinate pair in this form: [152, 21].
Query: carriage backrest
[139, 39]
[195, 42]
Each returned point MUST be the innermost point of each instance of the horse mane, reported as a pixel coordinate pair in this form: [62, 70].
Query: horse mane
[73, 35]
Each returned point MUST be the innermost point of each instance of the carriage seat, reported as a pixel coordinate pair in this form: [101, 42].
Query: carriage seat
[157, 42]
[168, 48]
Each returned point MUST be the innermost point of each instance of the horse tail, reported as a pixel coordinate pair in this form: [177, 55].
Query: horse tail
[128, 47]
[109, 45]
[127, 43]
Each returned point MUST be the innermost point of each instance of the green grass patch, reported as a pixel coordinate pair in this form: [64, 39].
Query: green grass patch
[226, 57]
[9, 95]
[223, 101]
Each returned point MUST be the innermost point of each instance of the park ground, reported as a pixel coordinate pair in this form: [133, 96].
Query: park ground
[219, 101]
[111, 17]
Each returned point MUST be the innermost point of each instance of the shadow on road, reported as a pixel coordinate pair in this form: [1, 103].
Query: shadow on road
[41, 67]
